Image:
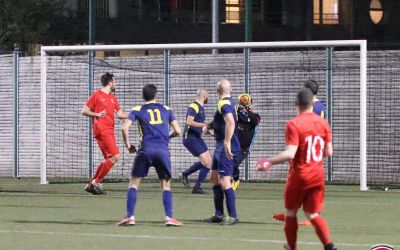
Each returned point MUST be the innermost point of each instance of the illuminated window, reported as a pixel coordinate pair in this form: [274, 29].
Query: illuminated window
[326, 12]
[232, 10]
[376, 11]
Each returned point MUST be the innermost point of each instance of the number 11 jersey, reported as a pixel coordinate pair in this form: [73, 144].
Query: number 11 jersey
[310, 133]
[153, 122]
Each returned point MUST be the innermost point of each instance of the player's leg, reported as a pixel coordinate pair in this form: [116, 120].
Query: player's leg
[162, 164]
[196, 147]
[313, 205]
[217, 189]
[140, 169]
[244, 152]
[205, 159]
[291, 227]
[293, 199]
[101, 143]
[112, 156]
[225, 171]
[131, 194]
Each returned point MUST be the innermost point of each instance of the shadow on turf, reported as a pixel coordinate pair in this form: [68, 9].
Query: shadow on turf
[87, 222]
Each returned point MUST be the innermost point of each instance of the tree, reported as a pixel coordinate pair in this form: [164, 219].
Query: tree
[24, 22]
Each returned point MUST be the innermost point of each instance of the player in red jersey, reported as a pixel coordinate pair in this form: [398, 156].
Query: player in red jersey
[101, 106]
[308, 141]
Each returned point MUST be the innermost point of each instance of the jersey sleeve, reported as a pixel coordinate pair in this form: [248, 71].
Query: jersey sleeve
[91, 102]
[193, 110]
[132, 115]
[291, 134]
[116, 104]
[224, 107]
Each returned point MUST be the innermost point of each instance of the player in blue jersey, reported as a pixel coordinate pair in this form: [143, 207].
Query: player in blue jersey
[154, 120]
[318, 107]
[226, 151]
[193, 141]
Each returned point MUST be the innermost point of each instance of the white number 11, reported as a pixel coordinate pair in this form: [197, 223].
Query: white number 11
[311, 148]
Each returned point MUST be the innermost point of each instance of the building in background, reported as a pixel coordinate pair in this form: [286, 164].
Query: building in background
[185, 21]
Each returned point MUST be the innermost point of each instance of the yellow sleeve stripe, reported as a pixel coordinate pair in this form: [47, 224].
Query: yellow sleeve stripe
[222, 103]
[322, 114]
[166, 107]
[137, 108]
[195, 107]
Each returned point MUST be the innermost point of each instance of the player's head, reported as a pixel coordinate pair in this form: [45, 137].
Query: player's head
[312, 85]
[202, 95]
[245, 100]
[304, 99]
[224, 87]
[149, 92]
[108, 79]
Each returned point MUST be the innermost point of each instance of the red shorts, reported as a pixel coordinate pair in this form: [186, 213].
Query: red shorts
[107, 144]
[312, 199]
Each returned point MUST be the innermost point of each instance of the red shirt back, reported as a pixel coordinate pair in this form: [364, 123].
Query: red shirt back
[98, 102]
[310, 133]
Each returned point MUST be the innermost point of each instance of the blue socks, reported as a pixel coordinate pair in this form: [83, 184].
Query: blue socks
[167, 201]
[202, 176]
[195, 167]
[230, 202]
[131, 202]
[218, 200]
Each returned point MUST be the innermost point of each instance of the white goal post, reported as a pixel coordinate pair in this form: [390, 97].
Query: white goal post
[362, 44]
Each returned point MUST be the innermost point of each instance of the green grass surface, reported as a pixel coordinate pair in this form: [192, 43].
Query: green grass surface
[63, 216]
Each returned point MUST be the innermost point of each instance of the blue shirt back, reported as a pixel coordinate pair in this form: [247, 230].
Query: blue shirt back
[319, 109]
[196, 110]
[226, 105]
[153, 122]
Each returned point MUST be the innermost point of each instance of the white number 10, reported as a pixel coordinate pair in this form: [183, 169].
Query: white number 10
[311, 148]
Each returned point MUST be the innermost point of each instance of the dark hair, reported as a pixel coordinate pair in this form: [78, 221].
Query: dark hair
[149, 92]
[106, 79]
[312, 85]
[304, 98]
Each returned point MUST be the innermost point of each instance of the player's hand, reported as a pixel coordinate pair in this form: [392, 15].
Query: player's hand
[132, 149]
[228, 152]
[101, 114]
[263, 164]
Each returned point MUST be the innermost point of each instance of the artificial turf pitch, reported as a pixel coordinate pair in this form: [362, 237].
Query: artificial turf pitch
[63, 216]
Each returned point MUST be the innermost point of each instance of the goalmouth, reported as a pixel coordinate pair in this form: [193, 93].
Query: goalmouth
[243, 65]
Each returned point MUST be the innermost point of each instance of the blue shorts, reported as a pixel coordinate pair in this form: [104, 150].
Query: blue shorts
[158, 156]
[221, 163]
[195, 145]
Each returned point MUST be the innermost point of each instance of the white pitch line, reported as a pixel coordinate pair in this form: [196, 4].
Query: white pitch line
[163, 237]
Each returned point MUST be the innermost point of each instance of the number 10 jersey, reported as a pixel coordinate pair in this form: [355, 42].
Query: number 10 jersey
[310, 133]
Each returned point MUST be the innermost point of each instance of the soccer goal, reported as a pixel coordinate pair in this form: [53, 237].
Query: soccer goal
[272, 72]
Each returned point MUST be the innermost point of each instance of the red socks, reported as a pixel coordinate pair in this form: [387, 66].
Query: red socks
[322, 230]
[291, 231]
[103, 170]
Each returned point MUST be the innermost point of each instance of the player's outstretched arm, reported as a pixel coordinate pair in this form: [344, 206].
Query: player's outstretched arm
[328, 151]
[87, 112]
[125, 134]
[176, 129]
[264, 164]
[122, 115]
